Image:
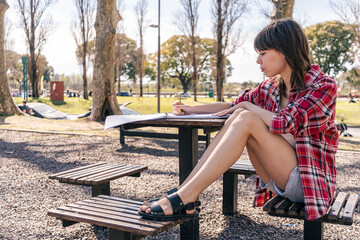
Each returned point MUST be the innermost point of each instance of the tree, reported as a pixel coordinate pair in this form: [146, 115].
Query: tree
[353, 77]
[13, 66]
[7, 105]
[349, 13]
[82, 31]
[177, 63]
[187, 21]
[331, 45]
[141, 10]
[37, 28]
[126, 54]
[226, 14]
[282, 9]
[104, 97]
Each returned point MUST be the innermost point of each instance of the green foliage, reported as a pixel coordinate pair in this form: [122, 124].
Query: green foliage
[176, 61]
[48, 73]
[331, 45]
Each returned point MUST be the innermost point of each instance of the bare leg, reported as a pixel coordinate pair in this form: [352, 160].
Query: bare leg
[209, 150]
[277, 159]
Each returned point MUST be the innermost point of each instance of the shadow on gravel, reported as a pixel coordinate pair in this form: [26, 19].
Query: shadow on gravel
[147, 150]
[20, 151]
[241, 226]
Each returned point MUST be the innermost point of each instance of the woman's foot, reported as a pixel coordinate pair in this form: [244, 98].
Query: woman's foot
[173, 207]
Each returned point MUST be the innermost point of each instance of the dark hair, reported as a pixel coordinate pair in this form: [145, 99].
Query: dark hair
[24, 101]
[286, 36]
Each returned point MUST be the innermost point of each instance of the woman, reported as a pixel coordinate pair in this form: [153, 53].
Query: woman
[287, 124]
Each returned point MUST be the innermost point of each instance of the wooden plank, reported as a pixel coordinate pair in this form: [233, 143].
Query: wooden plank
[283, 207]
[349, 208]
[110, 223]
[111, 215]
[271, 203]
[295, 209]
[74, 177]
[337, 205]
[53, 176]
[116, 175]
[88, 179]
[66, 177]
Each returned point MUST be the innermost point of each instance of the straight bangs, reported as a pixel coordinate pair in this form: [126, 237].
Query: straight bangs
[264, 40]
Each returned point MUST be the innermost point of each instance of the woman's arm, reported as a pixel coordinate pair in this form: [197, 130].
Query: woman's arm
[204, 108]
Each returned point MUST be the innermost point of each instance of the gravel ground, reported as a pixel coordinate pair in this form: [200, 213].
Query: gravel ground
[26, 193]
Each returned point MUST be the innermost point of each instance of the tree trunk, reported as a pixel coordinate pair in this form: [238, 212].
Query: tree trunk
[104, 98]
[219, 53]
[7, 105]
[85, 82]
[195, 74]
[282, 9]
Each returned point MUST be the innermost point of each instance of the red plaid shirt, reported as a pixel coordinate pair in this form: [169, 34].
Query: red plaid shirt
[310, 117]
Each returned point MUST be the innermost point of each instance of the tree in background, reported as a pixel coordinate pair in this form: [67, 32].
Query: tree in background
[352, 77]
[104, 96]
[349, 13]
[126, 54]
[7, 105]
[37, 29]
[82, 31]
[226, 14]
[141, 10]
[281, 9]
[13, 68]
[177, 63]
[331, 45]
[187, 21]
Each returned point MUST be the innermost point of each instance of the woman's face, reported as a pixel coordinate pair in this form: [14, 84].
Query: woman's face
[273, 63]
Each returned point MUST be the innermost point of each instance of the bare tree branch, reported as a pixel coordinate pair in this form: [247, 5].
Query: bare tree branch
[37, 28]
[141, 11]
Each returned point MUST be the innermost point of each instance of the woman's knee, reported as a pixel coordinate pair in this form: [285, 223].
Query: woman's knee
[246, 118]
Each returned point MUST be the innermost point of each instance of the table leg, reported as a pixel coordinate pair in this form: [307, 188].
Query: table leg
[188, 157]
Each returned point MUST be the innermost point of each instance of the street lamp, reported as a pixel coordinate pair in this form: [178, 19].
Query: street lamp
[158, 75]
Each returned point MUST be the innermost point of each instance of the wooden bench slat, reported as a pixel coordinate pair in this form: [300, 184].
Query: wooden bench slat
[107, 203]
[86, 179]
[295, 209]
[116, 175]
[138, 203]
[111, 215]
[268, 207]
[74, 177]
[53, 176]
[102, 222]
[350, 206]
[74, 174]
[283, 207]
[337, 205]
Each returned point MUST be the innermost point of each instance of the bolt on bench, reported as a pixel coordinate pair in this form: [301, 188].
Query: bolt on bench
[98, 176]
[341, 212]
[118, 214]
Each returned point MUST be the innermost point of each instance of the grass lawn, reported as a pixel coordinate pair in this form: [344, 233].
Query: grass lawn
[147, 105]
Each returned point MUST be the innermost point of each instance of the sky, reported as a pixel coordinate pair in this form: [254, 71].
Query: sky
[60, 47]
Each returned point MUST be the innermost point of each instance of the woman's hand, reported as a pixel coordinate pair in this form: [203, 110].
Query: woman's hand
[181, 109]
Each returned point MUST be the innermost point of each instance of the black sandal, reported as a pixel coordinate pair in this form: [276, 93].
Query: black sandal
[148, 202]
[179, 210]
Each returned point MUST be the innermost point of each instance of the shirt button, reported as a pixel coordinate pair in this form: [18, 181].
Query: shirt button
[276, 109]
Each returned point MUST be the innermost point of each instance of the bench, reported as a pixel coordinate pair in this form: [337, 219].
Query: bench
[118, 214]
[98, 176]
[230, 184]
[123, 132]
[341, 212]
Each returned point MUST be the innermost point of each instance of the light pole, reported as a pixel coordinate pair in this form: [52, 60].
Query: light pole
[158, 71]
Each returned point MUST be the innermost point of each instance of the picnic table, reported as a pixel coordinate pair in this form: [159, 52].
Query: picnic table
[188, 152]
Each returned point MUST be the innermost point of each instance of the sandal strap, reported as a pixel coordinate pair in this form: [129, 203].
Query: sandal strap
[156, 209]
[178, 206]
[192, 205]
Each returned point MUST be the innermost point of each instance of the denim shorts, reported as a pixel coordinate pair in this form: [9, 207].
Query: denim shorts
[293, 190]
